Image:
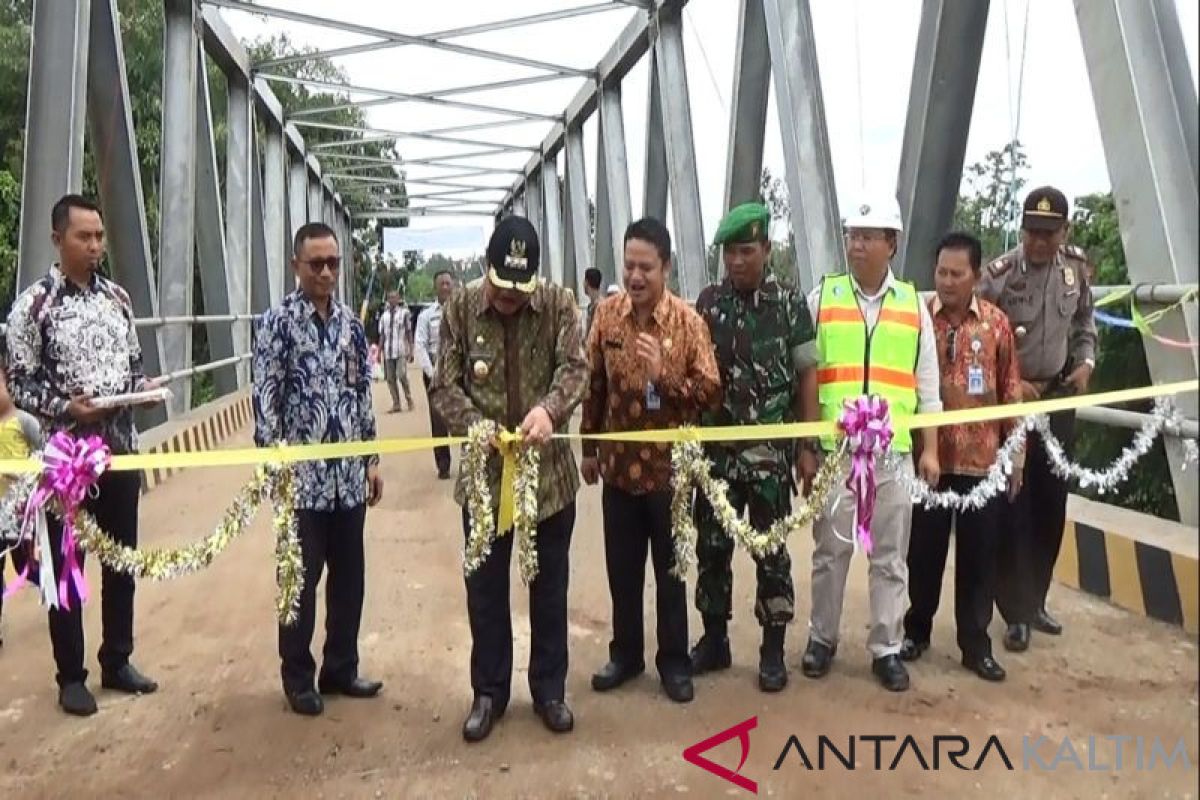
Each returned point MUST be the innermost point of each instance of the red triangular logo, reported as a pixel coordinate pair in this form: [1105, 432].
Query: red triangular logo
[742, 732]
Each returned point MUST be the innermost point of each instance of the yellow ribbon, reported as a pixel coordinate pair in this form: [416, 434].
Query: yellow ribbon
[733, 433]
[508, 443]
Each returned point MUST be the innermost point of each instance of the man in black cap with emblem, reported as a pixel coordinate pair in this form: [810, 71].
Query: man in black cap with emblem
[1043, 287]
[512, 352]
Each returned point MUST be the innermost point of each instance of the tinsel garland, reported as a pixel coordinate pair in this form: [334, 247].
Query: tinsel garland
[1107, 480]
[691, 467]
[993, 484]
[269, 483]
[684, 455]
[289, 558]
[482, 533]
[481, 519]
[12, 508]
[525, 511]
[1164, 415]
[1191, 453]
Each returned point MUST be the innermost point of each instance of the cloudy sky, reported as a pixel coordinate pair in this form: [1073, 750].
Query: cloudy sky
[865, 49]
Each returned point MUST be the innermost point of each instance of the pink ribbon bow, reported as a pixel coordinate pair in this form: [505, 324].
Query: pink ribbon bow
[868, 429]
[72, 467]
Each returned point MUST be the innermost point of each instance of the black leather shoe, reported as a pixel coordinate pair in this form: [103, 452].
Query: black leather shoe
[357, 687]
[75, 699]
[1016, 638]
[128, 680]
[1044, 623]
[911, 650]
[555, 716]
[891, 673]
[678, 688]
[710, 654]
[985, 667]
[818, 658]
[307, 703]
[613, 674]
[479, 722]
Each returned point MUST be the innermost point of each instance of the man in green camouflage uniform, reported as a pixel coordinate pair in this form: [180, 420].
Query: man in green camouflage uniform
[758, 327]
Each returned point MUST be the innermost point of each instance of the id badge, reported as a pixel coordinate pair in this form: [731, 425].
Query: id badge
[975, 380]
[653, 401]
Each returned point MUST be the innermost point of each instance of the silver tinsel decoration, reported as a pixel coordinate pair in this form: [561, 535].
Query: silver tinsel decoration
[1103, 481]
[12, 508]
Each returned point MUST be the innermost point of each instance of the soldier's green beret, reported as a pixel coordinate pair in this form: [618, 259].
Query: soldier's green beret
[748, 222]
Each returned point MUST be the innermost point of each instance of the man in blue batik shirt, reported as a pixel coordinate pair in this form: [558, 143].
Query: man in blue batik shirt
[312, 385]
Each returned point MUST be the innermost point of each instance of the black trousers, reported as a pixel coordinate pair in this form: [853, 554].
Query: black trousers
[491, 617]
[333, 538]
[115, 508]
[1028, 554]
[976, 543]
[441, 455]
[633, 523]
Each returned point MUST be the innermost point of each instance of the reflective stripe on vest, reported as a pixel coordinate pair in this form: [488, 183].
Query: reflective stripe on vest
[855, 362]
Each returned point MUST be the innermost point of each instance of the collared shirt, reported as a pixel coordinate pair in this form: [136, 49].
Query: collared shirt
[65, 340]
[928, 399]
[1050, 309]
[759, 339]
[982, 341]
[619, 396]
[393, 332]
[499, 367]
[312, 385]
[428, 336]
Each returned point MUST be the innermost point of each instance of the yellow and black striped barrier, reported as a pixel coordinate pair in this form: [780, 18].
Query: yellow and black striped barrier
[1141, 563]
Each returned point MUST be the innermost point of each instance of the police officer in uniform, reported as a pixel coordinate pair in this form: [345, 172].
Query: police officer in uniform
[1043, 287]
[759, 329]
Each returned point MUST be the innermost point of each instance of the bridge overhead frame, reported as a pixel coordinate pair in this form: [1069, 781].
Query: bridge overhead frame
[241, 239]
[1145, 100]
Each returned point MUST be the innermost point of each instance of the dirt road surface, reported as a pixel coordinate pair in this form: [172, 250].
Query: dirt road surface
[219, 726]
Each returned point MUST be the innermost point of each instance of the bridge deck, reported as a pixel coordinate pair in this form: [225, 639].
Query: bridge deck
[219, 728]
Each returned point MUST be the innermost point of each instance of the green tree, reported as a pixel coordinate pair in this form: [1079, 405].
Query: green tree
[993, 188]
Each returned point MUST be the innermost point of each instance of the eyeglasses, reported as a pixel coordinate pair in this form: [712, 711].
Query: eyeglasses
[865, 236]
[318, 265]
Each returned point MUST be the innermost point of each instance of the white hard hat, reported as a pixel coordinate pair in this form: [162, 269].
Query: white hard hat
[875, 211]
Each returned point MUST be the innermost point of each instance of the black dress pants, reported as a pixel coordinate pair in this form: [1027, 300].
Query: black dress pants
[976, 542]
[441, 455]
[632, 524]
[115, 507]
[1028, 554]
[491, 617]
[333, 538]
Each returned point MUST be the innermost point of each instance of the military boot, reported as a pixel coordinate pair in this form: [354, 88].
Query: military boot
[772, 674]
[711, 653]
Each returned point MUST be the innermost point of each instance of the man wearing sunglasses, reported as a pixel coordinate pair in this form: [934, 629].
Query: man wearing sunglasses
[1044, 288]
[312, 385]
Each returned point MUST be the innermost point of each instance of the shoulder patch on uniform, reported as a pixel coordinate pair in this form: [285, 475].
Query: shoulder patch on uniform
[1074, 251]
[999, 266]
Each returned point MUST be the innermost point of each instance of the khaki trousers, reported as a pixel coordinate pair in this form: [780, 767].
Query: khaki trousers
[888, 571]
